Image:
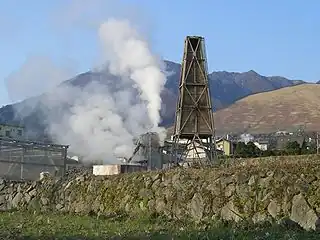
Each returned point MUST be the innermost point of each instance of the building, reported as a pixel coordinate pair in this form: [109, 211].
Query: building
[226, 146]
[187, 150]
[262, 145]
[281, 142]
[196, 151]
[147, 151]
[281, 133]
[11, 131]
[25, 160]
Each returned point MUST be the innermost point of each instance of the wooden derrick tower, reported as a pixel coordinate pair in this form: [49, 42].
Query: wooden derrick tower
[194, 126]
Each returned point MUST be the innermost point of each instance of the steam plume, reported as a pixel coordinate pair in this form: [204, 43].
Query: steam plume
[130, 56]
[100, 119]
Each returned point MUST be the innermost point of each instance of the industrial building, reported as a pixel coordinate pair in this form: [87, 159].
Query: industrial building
[11, 131]
[147, 155]
[147, 151]
[25, 160]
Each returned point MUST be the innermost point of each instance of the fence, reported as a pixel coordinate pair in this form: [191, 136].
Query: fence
[25, 160]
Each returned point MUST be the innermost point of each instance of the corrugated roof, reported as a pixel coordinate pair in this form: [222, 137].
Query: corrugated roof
[11, 125]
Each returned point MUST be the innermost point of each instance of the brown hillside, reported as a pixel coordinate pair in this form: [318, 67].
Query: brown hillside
[285, 109]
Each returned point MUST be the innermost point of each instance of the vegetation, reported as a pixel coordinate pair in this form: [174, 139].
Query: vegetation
[18, 225]
[249, 150]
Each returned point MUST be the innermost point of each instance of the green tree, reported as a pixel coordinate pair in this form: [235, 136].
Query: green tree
[293, 148]
[308, 148]
[268, 153]
[247, 150]
[253, 150]
[304, 147]
[312, 148]
[241, 150]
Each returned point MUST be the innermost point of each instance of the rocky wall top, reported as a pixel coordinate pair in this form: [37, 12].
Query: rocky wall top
[280, 190]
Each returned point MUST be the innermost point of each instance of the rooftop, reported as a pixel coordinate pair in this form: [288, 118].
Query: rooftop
[11, 125]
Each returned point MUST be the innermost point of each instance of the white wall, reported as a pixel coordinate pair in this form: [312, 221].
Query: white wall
[261, 146]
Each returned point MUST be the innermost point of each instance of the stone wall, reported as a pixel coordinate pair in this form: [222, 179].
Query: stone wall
[273, 191]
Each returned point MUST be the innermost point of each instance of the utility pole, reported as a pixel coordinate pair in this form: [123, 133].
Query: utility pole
[317, 143]
[150, 152]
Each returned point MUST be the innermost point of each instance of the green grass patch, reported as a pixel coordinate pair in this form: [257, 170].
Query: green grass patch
[20, 225]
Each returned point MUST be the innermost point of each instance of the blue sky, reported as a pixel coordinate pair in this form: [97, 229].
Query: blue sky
[271, 37]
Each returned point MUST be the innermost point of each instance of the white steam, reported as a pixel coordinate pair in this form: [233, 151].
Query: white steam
[100, 119]
[130, 56]
[37, 75]
[246, 137]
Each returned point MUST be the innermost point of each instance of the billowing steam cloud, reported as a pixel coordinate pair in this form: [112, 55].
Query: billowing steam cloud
[100, 119]
[130, 56]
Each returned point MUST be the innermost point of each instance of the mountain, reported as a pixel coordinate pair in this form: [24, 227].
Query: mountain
[284, 109]
[226, 88]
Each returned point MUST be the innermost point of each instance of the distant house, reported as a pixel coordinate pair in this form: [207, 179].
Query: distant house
[281, 133]
[262, 145]
[226, 146]
[282, 141]
[11, 131]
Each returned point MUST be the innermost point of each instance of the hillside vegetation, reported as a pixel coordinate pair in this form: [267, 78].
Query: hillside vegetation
[283, 109]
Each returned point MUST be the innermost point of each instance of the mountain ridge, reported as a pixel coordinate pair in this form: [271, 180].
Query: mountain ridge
[287, 109]
[225, 88]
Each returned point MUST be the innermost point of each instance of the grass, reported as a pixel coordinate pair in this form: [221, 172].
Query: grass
[20, 225]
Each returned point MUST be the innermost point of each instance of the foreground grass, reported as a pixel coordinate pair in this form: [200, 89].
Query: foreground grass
[17, 225]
